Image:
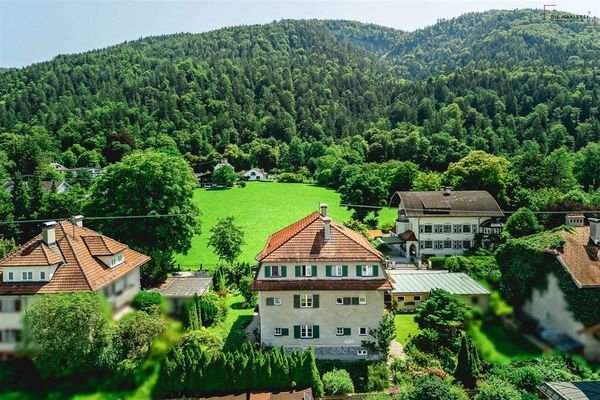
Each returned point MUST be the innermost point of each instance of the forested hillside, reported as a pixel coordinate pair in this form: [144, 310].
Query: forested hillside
[311, 97]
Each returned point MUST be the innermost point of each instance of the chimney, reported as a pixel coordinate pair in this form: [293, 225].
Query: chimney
[323, 209]
[574, 219]
[594, 230]
[327, 229]
[446, 190]
[77, 220]
[49, 232]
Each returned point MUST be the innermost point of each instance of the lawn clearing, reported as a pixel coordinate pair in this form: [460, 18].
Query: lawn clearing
[498, 345]
[232, 329]
[405, 327]
[261, 208]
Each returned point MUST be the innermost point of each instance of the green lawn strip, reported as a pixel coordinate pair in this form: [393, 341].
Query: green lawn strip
[498, 345]
[260, 208]
[405, 327]
[232, 329]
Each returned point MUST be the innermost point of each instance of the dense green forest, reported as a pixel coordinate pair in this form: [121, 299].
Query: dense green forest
[349, 105]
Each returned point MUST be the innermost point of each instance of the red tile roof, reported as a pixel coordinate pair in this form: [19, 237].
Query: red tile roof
[580, 257]
[321, 284]
[78, 269]
[304, 240]
[474, 203]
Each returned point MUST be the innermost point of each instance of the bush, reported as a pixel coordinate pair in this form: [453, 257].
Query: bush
[437, 262]
[497, 389]
[358, 370]
[213, 308]
[337, 382]
[202, 339]
[378, 377]
[288, 177]
[435, 388]
[148, 301]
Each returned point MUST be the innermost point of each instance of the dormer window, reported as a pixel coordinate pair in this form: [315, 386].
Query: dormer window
[11, 276]
[27, 276]
[116, 259]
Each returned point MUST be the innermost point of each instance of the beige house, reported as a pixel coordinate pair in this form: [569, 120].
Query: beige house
[320, 285]
[549, 306]
[444, 222]
[65, 257]
[411, 288]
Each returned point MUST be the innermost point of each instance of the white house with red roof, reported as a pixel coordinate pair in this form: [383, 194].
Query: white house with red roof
[320, 285]
[64, 257]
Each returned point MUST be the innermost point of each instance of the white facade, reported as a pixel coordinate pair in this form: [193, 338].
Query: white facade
[12, 307]
[255, 174]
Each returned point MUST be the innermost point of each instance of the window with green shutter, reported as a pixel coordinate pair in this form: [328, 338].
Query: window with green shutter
[314, 270]
[297, 330]
[315, 331]
[267, 271]
[296, 301]
[270, 301]
[298, 270]
[328, 270]
[315, 301]
[359, 270]
[347, 331]
[355, 301]
[285, 332]
[344, 270]
[347, 301]
[283, 271]
[375, 270]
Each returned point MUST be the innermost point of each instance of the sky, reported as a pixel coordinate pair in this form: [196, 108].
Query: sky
[35, 31]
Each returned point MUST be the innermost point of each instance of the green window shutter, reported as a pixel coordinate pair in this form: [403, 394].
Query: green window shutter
[283, 271]
[267, 271]
[315, 301]
[328, 270]
[375, 270]
[344, 270]
[285, 332]
[315, 331]
[298, 270]
[270, 301]
[358, 270]
[347, 331]
[296, 331]
[347, 301]
[355, 301]
[296, 301]
[313, 270]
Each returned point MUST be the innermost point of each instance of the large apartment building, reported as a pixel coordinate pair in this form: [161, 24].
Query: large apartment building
[64, 257]
[444, 222]
[320, 285]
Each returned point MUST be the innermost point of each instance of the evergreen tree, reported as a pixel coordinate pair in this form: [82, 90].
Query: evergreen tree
[468, 367]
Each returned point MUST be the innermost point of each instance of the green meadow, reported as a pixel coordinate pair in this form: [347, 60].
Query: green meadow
[260, 208]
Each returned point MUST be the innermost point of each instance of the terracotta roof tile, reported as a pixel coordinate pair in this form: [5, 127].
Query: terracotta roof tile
[321, 284]
[33, 253]
[79, 268]
[580, 257]
[304, 240]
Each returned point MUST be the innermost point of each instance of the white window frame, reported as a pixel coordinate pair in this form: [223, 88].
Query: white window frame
[306, 331]
[470, 244]
[457, 228]
[366, 270]
[362, 352]
[278, 332]
[337, 270]
[449, 243]
[306, 270]
[276, 301]
[457, 245]
[339, 301]
[468, 226]
[438, 244]
[447, 228]
[438, 228]
[42, 275]
[117, 259]
[306, 301]
[426, 242]
[278, 269]
[27, 275]
[360, 330]
[474, 228]
[426, 227]
[339, 331]
[362, 300]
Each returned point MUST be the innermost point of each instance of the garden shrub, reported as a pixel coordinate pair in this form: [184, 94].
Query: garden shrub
[358, 370]
[148, 301]
[431, 387]
[337, 382]
[289, 177]
[437, 262]
[497, 389]
[378, 377]
[213, 308]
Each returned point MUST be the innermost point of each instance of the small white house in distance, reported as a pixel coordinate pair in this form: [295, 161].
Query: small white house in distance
[223, 162]
[181, 288]
[255, 174]
[411, 288]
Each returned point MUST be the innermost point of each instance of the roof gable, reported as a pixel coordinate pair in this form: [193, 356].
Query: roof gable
[475, 203]
[579, 256]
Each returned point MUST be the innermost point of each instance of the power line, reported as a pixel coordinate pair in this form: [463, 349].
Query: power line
[440, 210]
[30, 221]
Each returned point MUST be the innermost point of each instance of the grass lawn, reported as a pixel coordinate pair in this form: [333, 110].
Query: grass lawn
[232, 329]
[260, 208]
[405, 327]
[497, 345]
